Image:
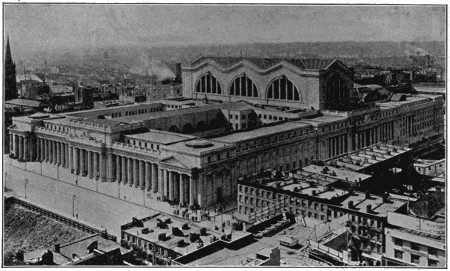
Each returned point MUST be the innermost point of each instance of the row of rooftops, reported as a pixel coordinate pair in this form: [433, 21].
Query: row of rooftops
[289, 182]
[354, 201]
[368, 156]
[174, 234]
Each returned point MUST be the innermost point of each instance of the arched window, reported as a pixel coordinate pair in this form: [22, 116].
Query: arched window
[243, 86]
[207, 83]
[283, 89]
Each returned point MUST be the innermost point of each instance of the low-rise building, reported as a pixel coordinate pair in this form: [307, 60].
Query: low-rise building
[160, 239]
[258, 195]
[91, 250]
[432, 168]
[414, 241]
[367, 220]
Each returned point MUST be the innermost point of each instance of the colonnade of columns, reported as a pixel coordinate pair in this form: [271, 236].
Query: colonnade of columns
[176, 186]
[22, 147]
[374, 135]
[337, 145]
[134, 172]
[87, 163]
[53, 152]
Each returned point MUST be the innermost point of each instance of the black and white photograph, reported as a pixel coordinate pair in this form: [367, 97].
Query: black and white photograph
[224, 135]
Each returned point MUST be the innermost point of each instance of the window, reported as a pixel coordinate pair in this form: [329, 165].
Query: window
[415, 259]
[207, 83]
[243, 86]
[415, 246]
[283, 89]
[432, 251]
[432, 262]
[398, 242]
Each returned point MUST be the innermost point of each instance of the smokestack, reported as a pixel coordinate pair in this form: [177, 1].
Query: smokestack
[177, 71]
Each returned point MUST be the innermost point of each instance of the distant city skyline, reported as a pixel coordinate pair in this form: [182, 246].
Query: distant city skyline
[47, 27]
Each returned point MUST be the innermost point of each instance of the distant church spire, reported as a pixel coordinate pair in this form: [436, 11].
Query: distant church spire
[10, 74]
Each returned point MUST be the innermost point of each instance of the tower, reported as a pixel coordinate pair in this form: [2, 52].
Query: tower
[10, 74]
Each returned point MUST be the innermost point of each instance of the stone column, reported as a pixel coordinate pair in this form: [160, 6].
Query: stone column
[63, 154]
[58, 153]
[186, 188]
[182, 188]
[118, 169]
[45, 150]
[171, 185]
[96, 170]
[76, 153]
[109, 167]
[41, 150]
[130, 171]
[135, 173]
[38, 148]
[123, 161]
[70, 158]
[176, 185]
[142, 174]
[20, 147]
[102, 166]
[148, 174]
[48, 148]
[165, 179]
[11, 143]
[199, 187]
[82, 161]
[16, 145]
[67, 155]
[52, 151]
[155, 179]
[55, 152]
[191, 191]
[90, 174]
[25, 148]
[161, 182]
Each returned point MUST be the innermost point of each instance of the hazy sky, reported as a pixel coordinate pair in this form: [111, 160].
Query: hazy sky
[54, 26]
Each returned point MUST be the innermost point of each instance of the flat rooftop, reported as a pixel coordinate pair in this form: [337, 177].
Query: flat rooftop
[409, 99]
[262, 131]
[171, 240]
[161, 137]
[379, 208]
[425, 162]
[325, 118]
[336, 173]
[303, 186]
[91, 112]
[184, 146]
[368, 156]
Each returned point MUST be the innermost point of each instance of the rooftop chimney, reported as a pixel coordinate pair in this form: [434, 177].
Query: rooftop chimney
[350, 204]
[367, 195]
[57, 248]
[369, 208]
